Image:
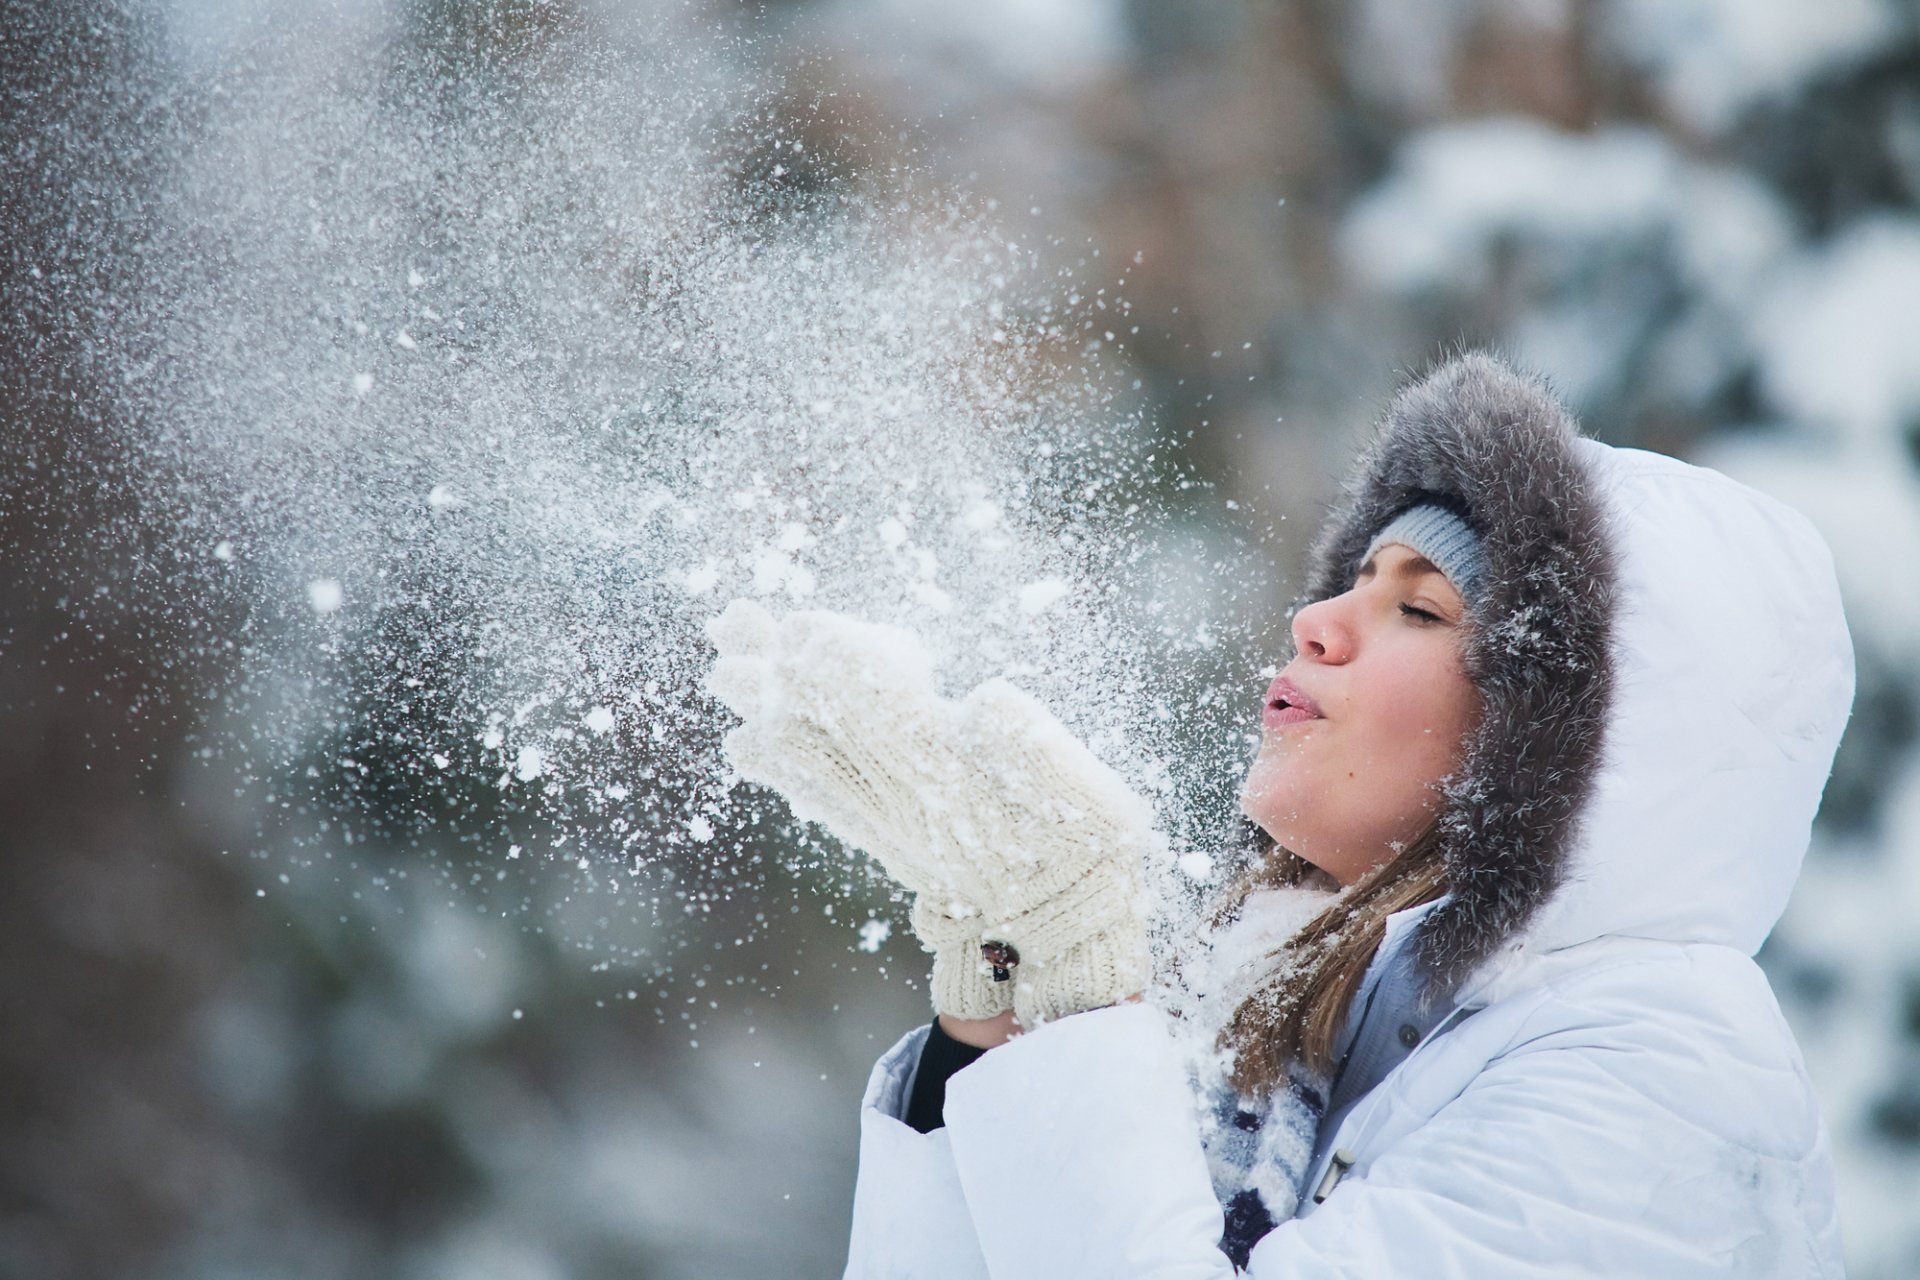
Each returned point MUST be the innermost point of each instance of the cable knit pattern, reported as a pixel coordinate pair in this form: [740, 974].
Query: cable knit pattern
[963, 984]
[984, 807]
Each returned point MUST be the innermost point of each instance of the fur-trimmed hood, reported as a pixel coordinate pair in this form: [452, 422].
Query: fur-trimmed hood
[1664, 666]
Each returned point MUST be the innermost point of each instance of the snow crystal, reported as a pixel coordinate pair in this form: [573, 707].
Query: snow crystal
[769, 571]
[1195, 866]
[325, 595]
[873, 933]
[600, 720]
[1038, 597]
[775, 571]
[979, 515]
[530, 763]
[933, 597]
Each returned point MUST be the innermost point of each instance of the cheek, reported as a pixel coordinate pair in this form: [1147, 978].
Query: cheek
[1423, 744]
[1416, 719]
[1418, 703]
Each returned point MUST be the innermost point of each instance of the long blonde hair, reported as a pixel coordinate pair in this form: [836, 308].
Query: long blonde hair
[1297, 1014]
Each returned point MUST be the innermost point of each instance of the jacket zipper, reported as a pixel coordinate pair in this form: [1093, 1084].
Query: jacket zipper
[1336, 1169]
[1343, 1158]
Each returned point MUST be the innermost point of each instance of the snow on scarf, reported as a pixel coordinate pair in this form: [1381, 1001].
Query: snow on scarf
[1258, 1150]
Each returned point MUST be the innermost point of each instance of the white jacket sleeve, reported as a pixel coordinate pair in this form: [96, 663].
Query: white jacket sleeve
[909, 1216]
[1078, 1148]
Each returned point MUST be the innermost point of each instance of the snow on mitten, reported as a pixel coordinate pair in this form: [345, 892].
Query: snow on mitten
[962, 982]
[1061, 842]
[986, 808]
[840, 716]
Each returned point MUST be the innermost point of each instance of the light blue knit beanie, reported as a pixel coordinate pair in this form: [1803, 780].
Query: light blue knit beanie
[1442, 537]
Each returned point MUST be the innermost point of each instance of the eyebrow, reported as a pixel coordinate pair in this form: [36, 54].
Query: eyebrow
[1413, 566]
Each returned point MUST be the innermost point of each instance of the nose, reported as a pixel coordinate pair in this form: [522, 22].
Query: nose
[1321, 632]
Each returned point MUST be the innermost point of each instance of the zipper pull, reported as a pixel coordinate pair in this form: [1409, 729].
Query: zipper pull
[1336, 1169]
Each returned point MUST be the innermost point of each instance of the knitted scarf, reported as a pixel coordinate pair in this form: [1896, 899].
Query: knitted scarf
[1258, 1149]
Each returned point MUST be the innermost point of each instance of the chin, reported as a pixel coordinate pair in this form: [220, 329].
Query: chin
[1284, 837]
[1261, 814]
[1264, 792]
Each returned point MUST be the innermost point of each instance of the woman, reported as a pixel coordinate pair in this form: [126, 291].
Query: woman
[1568, 812]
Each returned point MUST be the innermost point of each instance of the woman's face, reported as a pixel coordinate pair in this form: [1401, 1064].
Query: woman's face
[1349, 790]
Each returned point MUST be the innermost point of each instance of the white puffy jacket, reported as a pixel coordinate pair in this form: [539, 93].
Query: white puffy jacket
[1625, 1100]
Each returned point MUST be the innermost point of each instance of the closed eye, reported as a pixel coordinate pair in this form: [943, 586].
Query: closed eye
[1421, 613]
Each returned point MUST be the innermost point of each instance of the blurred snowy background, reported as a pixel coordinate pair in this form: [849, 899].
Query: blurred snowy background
[1701, 218]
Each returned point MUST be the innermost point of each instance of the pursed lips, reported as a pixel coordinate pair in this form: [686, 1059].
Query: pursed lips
[1288, 703]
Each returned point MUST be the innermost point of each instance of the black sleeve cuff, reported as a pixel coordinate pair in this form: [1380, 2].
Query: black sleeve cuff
[940, 1057]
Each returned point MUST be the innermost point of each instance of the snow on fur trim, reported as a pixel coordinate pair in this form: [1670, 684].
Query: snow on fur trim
[1496, 446]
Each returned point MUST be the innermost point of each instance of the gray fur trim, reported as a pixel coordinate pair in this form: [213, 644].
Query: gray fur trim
[1499, 444]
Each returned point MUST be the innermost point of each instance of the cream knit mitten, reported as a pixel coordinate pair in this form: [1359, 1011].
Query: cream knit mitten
[1024, 850]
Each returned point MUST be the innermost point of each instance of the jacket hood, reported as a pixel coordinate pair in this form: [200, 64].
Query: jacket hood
[1664, 666]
